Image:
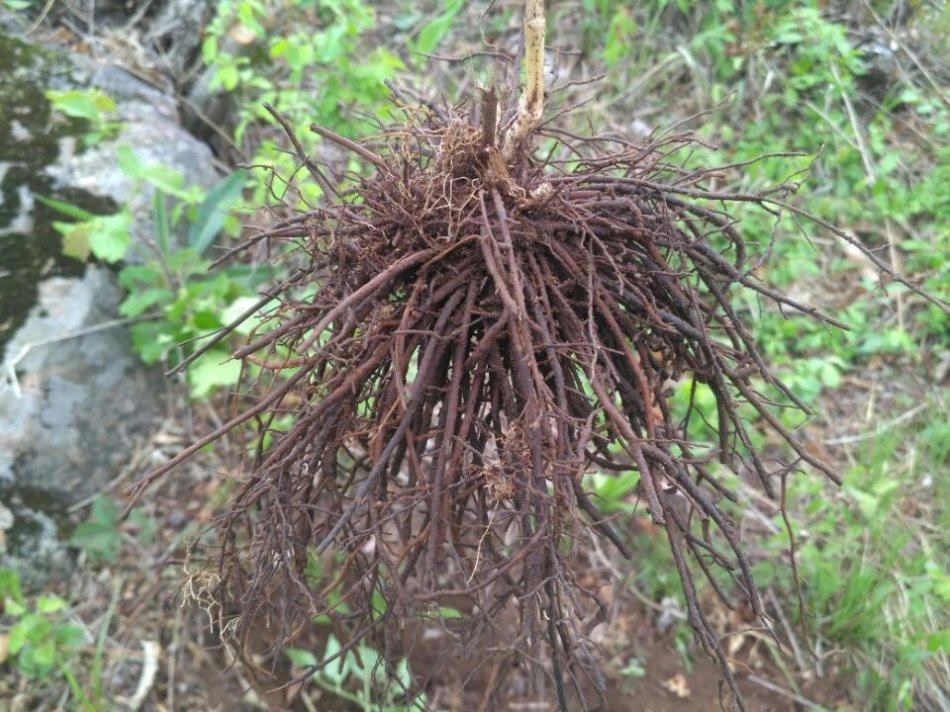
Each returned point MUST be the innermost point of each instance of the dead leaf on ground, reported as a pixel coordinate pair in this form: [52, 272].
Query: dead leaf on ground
[677, 685]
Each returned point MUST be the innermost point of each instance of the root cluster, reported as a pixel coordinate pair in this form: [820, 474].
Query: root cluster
[464, 339]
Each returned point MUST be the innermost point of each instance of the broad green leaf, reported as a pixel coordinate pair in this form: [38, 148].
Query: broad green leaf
[29, 629]
[612, 489]
[209, 49]
[145, 524]
[434, 31]
[214, 209]
[38, 660]
[140, 300]
[227, 76]
[131, 276]
[89, 104]
[107, 237]
[187, 262]
[12, 607]
[212, 370]
[151, 340]
[402, 673]
[110, 236]
[75, 239]
[101, 542]
[241, 305]
[314, 569]
[50, 604]
[634, 669]
[830, 375]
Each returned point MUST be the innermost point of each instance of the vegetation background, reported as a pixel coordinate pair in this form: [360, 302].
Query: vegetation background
[860, 88]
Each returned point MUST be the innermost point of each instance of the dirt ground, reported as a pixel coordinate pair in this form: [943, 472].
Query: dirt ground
[160, 620]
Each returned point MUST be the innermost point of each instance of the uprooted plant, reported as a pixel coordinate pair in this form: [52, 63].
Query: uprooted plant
[469, 330]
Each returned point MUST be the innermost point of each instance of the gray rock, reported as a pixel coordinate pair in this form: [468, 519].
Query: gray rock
[77, 398]
[74, 399]
[73, 403]
[30, 541]
[151, 127]
[165, 34]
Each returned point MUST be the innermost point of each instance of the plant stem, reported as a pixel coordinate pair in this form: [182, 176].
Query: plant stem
[531, 104]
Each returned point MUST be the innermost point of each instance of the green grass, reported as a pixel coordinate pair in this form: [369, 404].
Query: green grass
[792, 77]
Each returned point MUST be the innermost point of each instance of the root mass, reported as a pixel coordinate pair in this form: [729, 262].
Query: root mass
[465, 339]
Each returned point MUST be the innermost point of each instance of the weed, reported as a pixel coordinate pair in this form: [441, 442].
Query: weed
[305, 61]
[40, 639]
[876, 578]
[93, 105]
[172, 297]
[360, 676]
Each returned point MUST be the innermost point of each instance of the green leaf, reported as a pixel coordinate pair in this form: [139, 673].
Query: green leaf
[75, 239]
[403, 675]
[939, 641]
[12, 607]
[73, 211]
[99, 541]
[89, 104]
[107, 237]
[68, 635]
[151, 341]
[132, 276]
[206, 320]
[140, 300]
[104, 510]
[99, 536]
[619, 33]
[214, 209]
[335, 671]
[212, 370]
[162, 227]
[187, 262]
[209, 49]
[50, 604]
[145, 524]
[300, 658]
[830, 375]
[10, 585]
[39, 659]
[110, 236]
[165, 179]
[227, 76]
[434, 31]
[634, 669]
[611, 489]
[29, 629]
